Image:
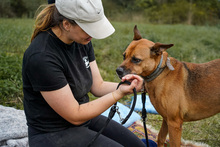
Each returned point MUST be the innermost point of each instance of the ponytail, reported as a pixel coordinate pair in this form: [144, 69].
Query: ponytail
[48, 18]
[44, 20]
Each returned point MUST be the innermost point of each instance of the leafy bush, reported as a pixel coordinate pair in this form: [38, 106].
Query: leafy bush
[10, 80]
[196, 12]
[14, 39]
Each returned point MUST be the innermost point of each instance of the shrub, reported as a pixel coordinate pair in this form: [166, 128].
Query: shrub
[10, 80]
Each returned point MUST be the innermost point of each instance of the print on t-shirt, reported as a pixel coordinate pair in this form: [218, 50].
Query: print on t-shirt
[86, 61]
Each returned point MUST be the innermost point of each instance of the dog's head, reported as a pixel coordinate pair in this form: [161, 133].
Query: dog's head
[141, 56]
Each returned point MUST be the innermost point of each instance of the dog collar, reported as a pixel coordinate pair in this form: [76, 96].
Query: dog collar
[156, 72]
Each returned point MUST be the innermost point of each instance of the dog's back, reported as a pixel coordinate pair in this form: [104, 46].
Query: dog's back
[203, 87]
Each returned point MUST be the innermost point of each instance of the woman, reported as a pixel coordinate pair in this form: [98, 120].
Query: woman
[59, 69]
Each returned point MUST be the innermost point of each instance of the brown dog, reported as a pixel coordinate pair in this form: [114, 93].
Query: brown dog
[179, 91]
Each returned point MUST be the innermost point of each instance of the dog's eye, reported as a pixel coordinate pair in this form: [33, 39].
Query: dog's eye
[123, 56]
[135, 60]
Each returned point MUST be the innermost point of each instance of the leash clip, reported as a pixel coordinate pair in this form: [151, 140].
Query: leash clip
[119, 114]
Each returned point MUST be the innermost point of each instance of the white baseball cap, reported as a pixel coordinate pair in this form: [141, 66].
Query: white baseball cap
[88, 14]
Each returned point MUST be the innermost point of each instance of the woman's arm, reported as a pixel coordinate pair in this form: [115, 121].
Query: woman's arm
[100, 87]
[63, 102]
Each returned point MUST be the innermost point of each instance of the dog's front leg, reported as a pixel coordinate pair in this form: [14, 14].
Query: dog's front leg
[162, 134]
[175, 131]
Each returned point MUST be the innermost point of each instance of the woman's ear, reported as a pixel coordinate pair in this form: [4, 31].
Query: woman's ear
[66, 25]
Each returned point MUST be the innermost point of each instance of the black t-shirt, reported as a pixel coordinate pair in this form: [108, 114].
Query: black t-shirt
[49, 64]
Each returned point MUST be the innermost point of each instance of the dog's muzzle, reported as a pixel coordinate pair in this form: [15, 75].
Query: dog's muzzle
[122, 72]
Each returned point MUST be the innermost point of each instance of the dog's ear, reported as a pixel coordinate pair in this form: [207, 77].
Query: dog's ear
[137, 35]
[158, 48]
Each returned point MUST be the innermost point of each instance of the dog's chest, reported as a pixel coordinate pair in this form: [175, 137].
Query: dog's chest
[158, 103]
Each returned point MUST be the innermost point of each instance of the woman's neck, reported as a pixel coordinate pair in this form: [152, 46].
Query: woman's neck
[61, 34]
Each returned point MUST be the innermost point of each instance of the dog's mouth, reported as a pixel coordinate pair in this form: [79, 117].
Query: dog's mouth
[121, 72]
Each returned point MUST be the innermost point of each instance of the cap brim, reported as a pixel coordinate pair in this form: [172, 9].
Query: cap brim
[99, 29]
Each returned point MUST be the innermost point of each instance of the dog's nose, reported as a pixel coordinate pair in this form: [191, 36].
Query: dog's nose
[120, 72]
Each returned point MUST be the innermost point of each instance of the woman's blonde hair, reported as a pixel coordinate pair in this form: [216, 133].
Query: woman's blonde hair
[48, 18]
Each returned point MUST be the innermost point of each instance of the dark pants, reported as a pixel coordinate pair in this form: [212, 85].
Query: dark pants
[114, 135]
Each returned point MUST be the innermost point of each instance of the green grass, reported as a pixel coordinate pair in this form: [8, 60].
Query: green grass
[204, 131]
[191, 43]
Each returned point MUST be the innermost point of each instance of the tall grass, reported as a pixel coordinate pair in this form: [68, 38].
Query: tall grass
[14, 39]
[191, 44]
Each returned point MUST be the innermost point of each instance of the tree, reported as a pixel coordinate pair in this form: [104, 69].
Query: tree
[18, 7]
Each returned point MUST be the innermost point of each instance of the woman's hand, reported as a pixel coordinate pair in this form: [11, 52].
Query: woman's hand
[136, 82]
[64, 103]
